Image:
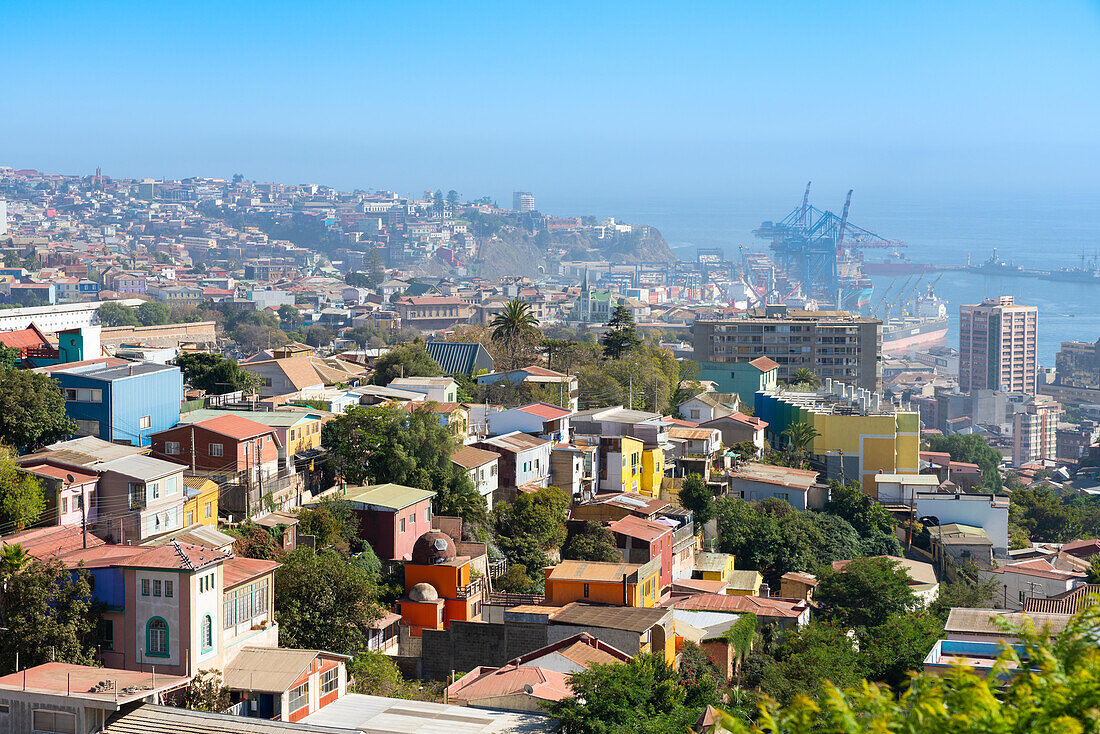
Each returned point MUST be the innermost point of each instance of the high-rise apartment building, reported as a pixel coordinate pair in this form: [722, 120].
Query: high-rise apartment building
[523, 201]
[833, 344]
[1035, 431]
[997, 346]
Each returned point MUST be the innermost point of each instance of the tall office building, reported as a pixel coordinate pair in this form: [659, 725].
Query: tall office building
[832, 344]
[523, 201]
[997, 346]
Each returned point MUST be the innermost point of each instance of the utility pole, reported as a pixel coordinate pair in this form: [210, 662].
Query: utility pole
[192, 448]
[631, 381]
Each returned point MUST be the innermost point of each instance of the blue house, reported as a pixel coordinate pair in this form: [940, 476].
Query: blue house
[121, 403]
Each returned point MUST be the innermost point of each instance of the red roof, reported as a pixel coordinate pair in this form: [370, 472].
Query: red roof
[433, 301]
[43, 543]
[764, 364]
[636, 527]
[758, 605]
[234, 426]
[236, 571]
[48, 470]
[1040, 568]
[23, 339]
[540, 371]
[546, 411]
[1083, 548]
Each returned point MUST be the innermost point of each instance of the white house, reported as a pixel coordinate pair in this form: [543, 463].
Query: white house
[483, 468]
[984, 511]
[543, 419]
[439, 389]
[708, 406]
[902, 489]
[1037, 577]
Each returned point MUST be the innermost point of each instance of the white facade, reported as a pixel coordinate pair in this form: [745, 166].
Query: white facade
[439, 389]
[983, 511]
[902, 489]
[58, 317]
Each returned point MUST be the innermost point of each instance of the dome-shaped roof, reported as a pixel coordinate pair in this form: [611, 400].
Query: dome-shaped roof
[423, 592]
[434, 547]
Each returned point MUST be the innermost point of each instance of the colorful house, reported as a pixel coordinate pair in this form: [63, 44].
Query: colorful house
[619, 584]
[620, 462]
[640, 541]
[200, 501]
[285, 685]
[653, 471]
[439, 586]
[391, 517]
[859, 433]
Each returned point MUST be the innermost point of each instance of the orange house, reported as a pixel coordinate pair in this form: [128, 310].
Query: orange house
[439, 585]
[620, 584]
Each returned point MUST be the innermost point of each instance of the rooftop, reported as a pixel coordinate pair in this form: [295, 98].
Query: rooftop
[234, 426]
[148, 718]
[592, 571]
[469, 457]
[237, 570]
[145, 468]
[636, 527]
[779, 475]
[760, 606]
[379, 715]
[516, 441]
[269, 669]
[86, 682]
[386, 496]
[963, 620]
[634, 619]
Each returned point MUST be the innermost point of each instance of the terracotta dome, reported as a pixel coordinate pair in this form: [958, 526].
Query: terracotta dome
[423, 592]
[434, 547]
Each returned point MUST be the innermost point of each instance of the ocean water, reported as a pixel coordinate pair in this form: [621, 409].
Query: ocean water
[1035, 231]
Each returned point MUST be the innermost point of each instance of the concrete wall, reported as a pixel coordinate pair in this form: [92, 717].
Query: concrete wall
[467, 645]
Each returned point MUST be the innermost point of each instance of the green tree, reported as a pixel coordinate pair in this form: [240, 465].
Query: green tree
[803, 661]
[972, 449]
[32, 410]
[897, 647]
[9, 356]
[642, 695]
[865, 593]
[375, 674]
[113, 313]
[389, 444]
[331, 520]
[13, 559]
[452, 198]
[21, 499]
[152, 313]
[458, 497]
[803, 376]
[696, 496]
[967, 590]
[206, 692]
[357, 280]
[870, 519]
[289, 315]
[49, 616]
[593, 542]
[746, 450]
[214, 373]
[622, 334]
[254, 541]
[318, 336]
[406, 360]
[1044, 516]
[324, 601]
[539, 516]
[515, 328]
[1043, 686]
[800, 437]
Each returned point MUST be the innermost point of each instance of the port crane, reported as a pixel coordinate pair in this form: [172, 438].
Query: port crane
[816, 247]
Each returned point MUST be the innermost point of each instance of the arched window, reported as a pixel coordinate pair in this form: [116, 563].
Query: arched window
[156, 638]
[207, 633]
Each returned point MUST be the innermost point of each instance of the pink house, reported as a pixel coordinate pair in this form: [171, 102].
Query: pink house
[391, 517]
[69, 494]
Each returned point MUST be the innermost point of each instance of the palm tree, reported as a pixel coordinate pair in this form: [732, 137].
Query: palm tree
[800, 436]
[803, 376]
[13, 559]
[513, 326]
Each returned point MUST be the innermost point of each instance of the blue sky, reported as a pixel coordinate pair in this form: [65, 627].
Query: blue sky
[578, 98]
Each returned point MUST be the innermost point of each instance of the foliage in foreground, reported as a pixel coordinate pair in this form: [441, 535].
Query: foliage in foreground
[1057, 689]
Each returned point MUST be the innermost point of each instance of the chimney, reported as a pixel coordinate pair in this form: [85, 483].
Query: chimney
[765, 591]
[131, 369]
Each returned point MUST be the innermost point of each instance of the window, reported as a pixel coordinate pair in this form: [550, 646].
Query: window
[53, 722]
[207, 633]
[299, 697]
[412, 518]
[208, 510]
[402, 525]
[87, 428]
[137, 495]
[106, 634]
[330, 680]
[64, 505]
[189, 517]
[428, 515]
[156, 587]
[156, 638]
[214, 449]
[82, 395]
[155, 489]
[4, 708]
[170, 485]
[145, 587]
[145, 421]
[172, 448]
[168, 589]
[586, 591]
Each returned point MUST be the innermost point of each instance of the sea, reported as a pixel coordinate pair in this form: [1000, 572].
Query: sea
[1034, 231]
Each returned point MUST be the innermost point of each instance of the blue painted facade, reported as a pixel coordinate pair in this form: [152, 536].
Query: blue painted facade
[109, 587]
[127, 395]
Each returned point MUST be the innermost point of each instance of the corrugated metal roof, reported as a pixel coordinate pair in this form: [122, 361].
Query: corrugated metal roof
[635, 619]
[984, 621]
[391, 496]
[145, 468]
[458, 357]
[150, 719]
[267, 669]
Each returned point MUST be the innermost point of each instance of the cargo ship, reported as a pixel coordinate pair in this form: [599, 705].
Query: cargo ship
[926, 327]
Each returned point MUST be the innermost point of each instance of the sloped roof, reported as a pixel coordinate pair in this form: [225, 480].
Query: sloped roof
[984, 621]
[515, 441]
[635, 619]
[469, 457]
[148, 718]
[237, 570]
[760, 606]
[764, 364]
[43, 543]
[234, 426]
[267, 669]
[511, 680]
[299, 371]
[390, 496]
[545, 410]
[141, 467]
[592, 571]
[458, 357]
[636, 527]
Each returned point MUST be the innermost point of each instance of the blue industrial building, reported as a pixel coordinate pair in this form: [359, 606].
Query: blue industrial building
[123, 403]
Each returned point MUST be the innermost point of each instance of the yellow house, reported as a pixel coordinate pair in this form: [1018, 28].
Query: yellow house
[713, 566]
[653, 470]
[200, 504]
[745, 583]
[618, 584]
[620, 464]
[858, 437]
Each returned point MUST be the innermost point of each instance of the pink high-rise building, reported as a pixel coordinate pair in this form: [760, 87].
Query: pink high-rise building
[997, 346]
